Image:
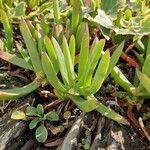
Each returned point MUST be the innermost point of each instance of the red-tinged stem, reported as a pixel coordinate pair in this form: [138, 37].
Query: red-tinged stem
[129, 60]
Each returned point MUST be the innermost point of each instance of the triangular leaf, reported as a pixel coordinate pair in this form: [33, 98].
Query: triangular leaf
[19, 10]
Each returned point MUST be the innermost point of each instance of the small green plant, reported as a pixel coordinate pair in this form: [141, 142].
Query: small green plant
[85, 144]
[39, 117]
[41, 132]
[75, 15]
[8, 41]
[122, 17]
[28, 9]
[136, 92]
[28, 59]
[93, 68]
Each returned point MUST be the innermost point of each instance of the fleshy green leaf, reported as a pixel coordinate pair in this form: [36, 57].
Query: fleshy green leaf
[31, 29]
[56, 11]
[115, 57]
[41, 134]
[18, 115]
[1, 4]
[51, 52]
[23, 53]
[79, 35]
[40, 43]
[52, 116]
[107, 112]
[8, 30]
[40, 109]
[128, 14]
[61, 61]
[145, 71]
[75, 15]
[31, 111]
[72, 46]
[148, 46]
[34, 123]
[146, 65]
[87, 146]
[93, 61]
[32, 48]
[51, 74]
[18, 92]
[84, 54]
[95, 42]
[144, 80]
[88, 104]
[122, 80]
[68, 61]
[12, 58]
[100, 74]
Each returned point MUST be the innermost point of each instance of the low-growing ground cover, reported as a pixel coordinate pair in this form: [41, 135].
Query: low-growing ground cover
[75, 74]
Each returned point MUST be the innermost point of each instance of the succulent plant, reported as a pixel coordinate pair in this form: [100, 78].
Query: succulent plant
[93, 67]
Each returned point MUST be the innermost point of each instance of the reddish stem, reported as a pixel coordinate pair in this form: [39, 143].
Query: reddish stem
[129, 60]
[52, 104]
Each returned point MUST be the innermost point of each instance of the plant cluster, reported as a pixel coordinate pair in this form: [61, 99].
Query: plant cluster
[39, 118]
[58, 46]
